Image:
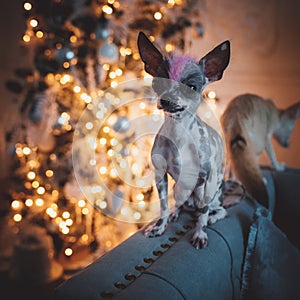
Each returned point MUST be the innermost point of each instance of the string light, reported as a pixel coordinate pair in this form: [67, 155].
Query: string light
[28, 202]
[39, 34]
[68, 251]
[41, 190]
[31, 175]
[39, 202]
[102, 141]
[81, 203]
[35, 184]
[211, 94]
[157, 15]
[27, 6]
[66, 215]
[16, 204]
[107, 9]
[85, 211]
[77, 89]
[26, 151]
[33, 23]
[17, 217]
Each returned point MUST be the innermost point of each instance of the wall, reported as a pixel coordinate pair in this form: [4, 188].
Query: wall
[265, 48]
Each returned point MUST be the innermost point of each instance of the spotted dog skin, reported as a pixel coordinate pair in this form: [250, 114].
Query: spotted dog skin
[185, 147]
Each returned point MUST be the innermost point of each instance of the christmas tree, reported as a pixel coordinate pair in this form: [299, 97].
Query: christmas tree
[82, 141]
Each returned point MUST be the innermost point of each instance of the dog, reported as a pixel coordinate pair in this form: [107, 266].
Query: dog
[249, 122]
[185, 147]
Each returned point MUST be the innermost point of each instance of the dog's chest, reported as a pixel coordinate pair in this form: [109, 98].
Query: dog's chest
[191, 145]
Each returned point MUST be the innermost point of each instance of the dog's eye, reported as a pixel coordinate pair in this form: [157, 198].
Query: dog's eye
[192, 87]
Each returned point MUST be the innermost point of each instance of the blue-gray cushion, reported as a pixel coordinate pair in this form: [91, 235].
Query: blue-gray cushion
[272, 263]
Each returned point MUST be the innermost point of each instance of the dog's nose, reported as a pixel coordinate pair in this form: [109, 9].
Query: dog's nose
[165, 103]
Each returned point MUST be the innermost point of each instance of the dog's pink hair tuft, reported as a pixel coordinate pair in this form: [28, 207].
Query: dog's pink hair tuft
[177, 64]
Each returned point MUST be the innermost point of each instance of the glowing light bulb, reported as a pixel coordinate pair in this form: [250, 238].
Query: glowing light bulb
[17, 217]
[157, 16]
[103, 204]
[113, 173]
[85, 237]
[107, 9]
[27, 6]
[68, 251]
[89, 125]
[211, 95]
[124, 211]
[86, 98]
[141, 204]
[103, 170]
[114, 84]
[169, 47]
[39, 202]
[66, 215]
[110, 152]
[142, 105]
[65, 230]
[26, 151]
[119, 72]
[81, 203]
[16, 204]
[140, 197]
[28, 202]
[106, 129]
[137, 215]
[35, 184]
[102, 141]
[31, 175]
[33, 23]
[39, 34]
[112, 75]
[41, 190]
[113, 142]
[77, 89]
[26, 38]
[85, 211]
[69, 222]
[49, 173]
[92, 162]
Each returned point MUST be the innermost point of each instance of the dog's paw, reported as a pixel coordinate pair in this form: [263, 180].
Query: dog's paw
[199, 239]
[219, 214]
[174, 215]
[156, 228]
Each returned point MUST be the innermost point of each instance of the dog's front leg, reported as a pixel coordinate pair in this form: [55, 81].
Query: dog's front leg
[182, 193]
[158, 227]
[199, 239]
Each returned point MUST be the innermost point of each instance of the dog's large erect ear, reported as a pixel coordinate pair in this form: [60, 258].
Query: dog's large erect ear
[150, 55]
[215, 62]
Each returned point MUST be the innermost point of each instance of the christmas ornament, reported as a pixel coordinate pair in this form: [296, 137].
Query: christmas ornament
[102, 30]
[64, 54]
[108, 53]
[122, 125]
[101, 33]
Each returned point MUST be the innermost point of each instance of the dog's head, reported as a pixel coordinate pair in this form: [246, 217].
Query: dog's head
[179, 80]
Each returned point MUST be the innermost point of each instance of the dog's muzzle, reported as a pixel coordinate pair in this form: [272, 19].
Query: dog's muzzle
[170, 106]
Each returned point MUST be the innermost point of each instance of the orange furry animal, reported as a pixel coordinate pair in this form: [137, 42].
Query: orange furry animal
[249, 123]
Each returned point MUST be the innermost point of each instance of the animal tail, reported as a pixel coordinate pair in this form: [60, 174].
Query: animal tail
[244, 162]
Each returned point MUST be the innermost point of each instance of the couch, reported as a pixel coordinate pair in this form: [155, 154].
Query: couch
[252, 254]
